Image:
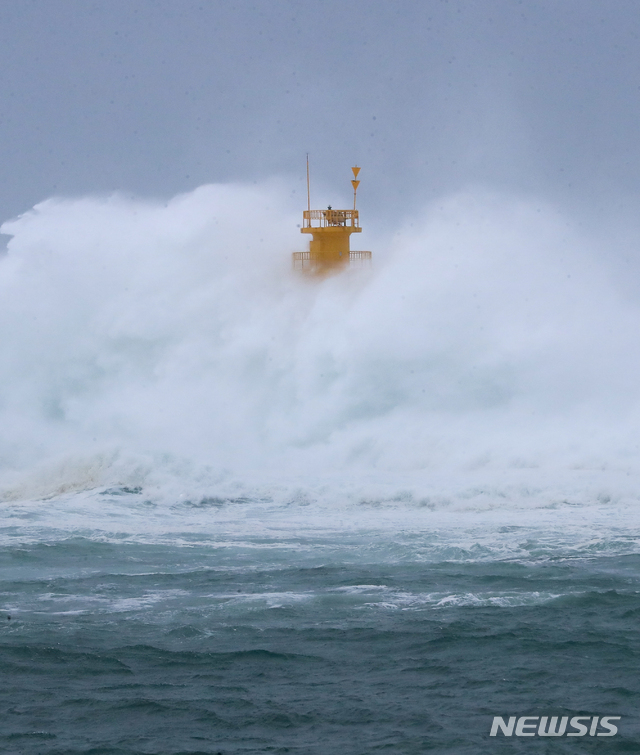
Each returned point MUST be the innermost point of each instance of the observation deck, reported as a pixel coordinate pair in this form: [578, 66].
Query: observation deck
[330, 218]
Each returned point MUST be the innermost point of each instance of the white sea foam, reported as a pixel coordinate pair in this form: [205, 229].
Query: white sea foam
[487, 362]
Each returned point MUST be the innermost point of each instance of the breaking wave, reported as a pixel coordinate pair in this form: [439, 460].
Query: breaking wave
[488, 355]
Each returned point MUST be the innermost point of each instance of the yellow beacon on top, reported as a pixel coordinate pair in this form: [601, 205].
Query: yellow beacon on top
[330, 231]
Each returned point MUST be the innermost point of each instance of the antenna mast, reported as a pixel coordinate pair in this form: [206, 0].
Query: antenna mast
[308, 190]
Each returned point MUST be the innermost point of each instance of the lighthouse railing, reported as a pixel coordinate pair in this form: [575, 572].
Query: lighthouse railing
[309, 260]
[330, 217]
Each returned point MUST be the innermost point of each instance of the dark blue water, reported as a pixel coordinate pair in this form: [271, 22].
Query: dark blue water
[356, 642]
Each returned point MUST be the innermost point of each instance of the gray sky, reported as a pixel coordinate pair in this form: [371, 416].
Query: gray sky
[156, 97]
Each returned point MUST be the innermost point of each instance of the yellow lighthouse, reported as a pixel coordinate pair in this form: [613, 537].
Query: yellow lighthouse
[330, 231]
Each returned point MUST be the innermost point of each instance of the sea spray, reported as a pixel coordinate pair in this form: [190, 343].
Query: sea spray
[137, 334]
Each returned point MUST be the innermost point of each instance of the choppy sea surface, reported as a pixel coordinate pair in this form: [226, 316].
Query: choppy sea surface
[242, 512]
[241, 626]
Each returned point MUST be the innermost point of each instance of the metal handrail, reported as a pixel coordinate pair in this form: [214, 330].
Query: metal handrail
[305, 260]
[330, 218]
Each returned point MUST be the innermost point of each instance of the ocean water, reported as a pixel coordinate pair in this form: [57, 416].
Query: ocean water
[247, 513]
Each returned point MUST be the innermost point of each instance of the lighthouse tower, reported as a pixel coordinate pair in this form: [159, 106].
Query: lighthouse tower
[330, 231]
